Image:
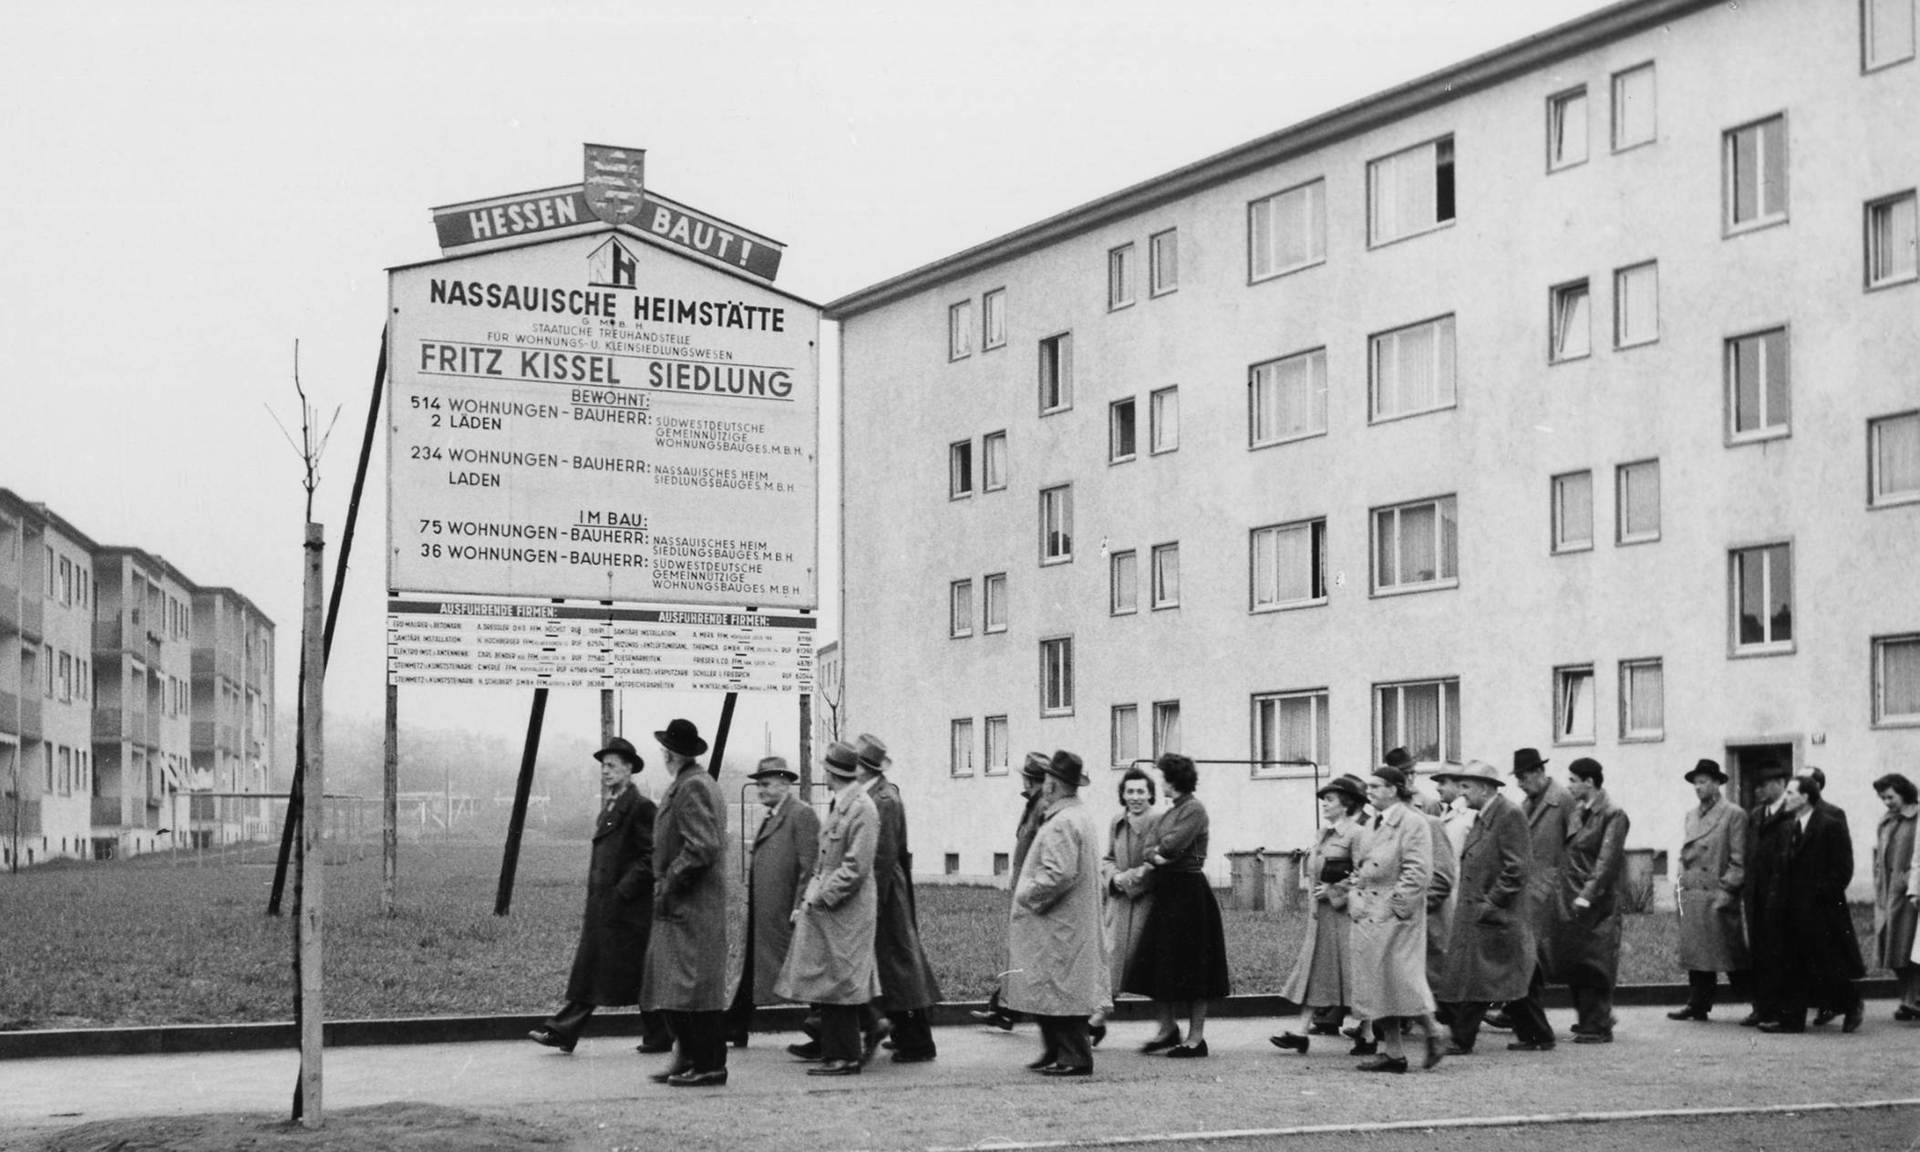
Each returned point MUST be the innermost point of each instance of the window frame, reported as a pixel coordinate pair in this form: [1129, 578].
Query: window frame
[1613, 110]
[1910, 197]
[1400, 588]
[1619, 323]
[1061, 344]
[987, 473]
[1628, 733]
[1319, 703]
[1114, 420]
[1318, 383]
[989, 766]
[960, 330]
[956, 730]
[1123, 276]
[993, 306]
[1564, 678]
[1313, 525]
[960, 469]
[1770, 646]
[1114, 721]
[1729, 177]
[1901, 499]
[1555, 122]
[1559, 544]
[1131, 557]
[1867, 64]
[1159, 601]
[1557, 329]
[1157, 285]
[1877, 646]
[959, 595]
[1730, 361]
[1065, 556]
[1271, 202]
[1063, 706]
[1374, 415]
[1156, 440]
[993, 595]
[1621, 536]
[1449, 741]
[1375, 241]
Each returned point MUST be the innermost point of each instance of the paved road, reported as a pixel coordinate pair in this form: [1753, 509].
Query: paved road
[977, 1093]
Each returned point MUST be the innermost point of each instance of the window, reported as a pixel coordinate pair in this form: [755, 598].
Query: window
[1290, 565]
[1570, 322]
[997, 745]
[66, 771]
[1163, 420]
[960, 608]
[1891, 241]
[1896, 679]
[1643, 708]
[46, 658]
[1056, 524]
[1573, 512]
[1573, 705]
[951, 864]
[993, 589]
[1422, 716]
[1056, 676]
[1756, 174]
[1566, 129]
[1001, 864]
[1120, 276]
[1120, 438]
[993, 461]
[1123, 583]
[960, 330]
[1893, 460]
[1757, 385]
[1636, 500]
[1124, 735]
[960, 762]
[1886, 32]
[1166, 576]
[1633, 121]
[993, 319]
[1412, 369]
[1763, 599]
[1166, 727]
[1163, 262]
[1414, 546]
[66, 676]
[1056, 373]
[1287, 230]
[1287, 398]
[1289, 731]
[1636, 305]
[959, 469]
[1410, 191]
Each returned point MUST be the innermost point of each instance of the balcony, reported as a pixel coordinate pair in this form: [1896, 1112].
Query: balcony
[9, 713]
[108, 812]
[27, 811]
[33, 616]
[112, 725]
[9, 607]
[30, 727]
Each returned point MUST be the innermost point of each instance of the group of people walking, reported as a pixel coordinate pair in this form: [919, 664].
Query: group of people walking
[1433, 914]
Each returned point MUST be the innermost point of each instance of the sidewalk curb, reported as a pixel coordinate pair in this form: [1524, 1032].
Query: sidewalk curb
[177, 1039]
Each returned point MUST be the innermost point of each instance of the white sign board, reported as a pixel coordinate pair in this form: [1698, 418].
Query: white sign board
[528, 645]
[598, 418]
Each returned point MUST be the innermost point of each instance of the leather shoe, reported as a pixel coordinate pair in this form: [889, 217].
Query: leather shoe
[1161, 1043]
[998, 1020]
[1394, 1064]
[1196, 1051]
[1531, 1046]
[654, 1047]
[1752, 1020]
[1046, 1061]
[1906, 1012]
[913, 1057]
[1776, 1028]
[668, 1074]
[1455, 1048]
[836, 1068]
[737, 1039]
[1353, 1032]
[1291, 1041]
[1687, 1013]
[692, 1079]
[1855, 1015]
[870, 1043]
[551, 1039]
[1364, 1048]
[1594, 1038]
[1500, 1021]
[808, 1051]
[1323, 1030]
[1823, 1016]
[1068, 1070]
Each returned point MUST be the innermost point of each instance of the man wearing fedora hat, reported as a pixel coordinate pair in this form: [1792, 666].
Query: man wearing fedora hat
[686, 971]
[780, 864]
[619, 914]
[1765, 893]
[907, 985]
[1547, 807]
[1055, 941]
[1713, 871]
[1032, 773]
[1490, 951]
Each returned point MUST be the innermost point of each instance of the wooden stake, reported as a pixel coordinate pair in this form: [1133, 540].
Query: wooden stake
[309, 893]
[390, 807]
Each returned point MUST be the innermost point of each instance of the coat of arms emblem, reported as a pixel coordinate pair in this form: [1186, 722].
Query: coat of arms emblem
[614, 182]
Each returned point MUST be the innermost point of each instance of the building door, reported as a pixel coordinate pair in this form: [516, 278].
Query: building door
[1743, 759]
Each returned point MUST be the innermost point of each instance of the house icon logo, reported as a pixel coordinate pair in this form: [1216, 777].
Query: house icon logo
[611, 266]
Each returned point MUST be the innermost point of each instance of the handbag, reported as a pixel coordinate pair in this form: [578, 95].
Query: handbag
[1335, 869]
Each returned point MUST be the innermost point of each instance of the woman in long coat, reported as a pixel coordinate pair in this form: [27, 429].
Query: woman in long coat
[1319, 977]
[1180, 961]
[1126, 877]
[1895, 908]
[1713, 869]
[1587, 915]
[1387, 949]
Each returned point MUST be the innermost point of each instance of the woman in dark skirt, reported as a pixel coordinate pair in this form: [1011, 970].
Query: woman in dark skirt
[1181, 961]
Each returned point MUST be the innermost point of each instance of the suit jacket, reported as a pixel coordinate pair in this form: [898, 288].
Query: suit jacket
[613, 932]
[783, 854]
[686, 970]
[1491, 954]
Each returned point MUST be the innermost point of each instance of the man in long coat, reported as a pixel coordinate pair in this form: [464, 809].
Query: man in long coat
[1032, 774]
[1822, 955]
[613, 933]
[907, 986]
[1054, 936]
[686, 971]
[1491, 954]
[1547, 807]
[1586, 931]
[1441, 889]
[1713, 870]
[781, 864]
[830, 963]
[1765, 894]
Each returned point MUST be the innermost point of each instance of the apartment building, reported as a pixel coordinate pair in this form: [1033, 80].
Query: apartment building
[143, 667]
[232, 703]
[1568, 397]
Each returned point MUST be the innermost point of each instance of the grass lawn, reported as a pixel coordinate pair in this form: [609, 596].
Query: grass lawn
[159, 940]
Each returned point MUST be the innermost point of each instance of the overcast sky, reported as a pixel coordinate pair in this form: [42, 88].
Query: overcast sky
[187, 188]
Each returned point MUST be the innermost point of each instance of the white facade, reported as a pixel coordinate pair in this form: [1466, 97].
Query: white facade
[1747, 342]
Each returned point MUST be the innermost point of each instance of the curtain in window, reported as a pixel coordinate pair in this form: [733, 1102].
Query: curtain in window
[1293, 564]
[1896, 463]
[1899, 678]
[1892, 240]
[996, 462]
[1303, 394]
[1302, 225]
[1774, 351]
[1386, 548]
[996, 743]
[1125, 582]
[1419, 558]
[1420, 727]
[1296, 729]
[1404, 192]
[1576, 509]
[1126, 734]
[962, 753]
[1166, 728]
[1640, 499]
[1646, 708]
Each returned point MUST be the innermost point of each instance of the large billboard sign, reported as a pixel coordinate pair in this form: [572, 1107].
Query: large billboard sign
[598, 417]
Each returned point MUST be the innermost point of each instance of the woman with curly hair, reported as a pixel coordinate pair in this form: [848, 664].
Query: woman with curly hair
[1181, 960]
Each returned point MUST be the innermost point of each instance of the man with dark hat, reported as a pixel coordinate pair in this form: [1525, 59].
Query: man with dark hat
[1490, 951]
[781, 864]
[1713, 872]
[686, 971]
[613, 933]
[907, 985]
[1587, 916]
[1032, 773]
[1054, 937]
[1766, 889]
[1424, 801]
[1547, 807]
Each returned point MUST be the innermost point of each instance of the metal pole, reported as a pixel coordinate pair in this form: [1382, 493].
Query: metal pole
[510, 860]
[309, 892]
[390, 806]
[720, 737]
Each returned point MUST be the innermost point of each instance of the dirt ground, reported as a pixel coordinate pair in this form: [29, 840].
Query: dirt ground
[404, 1127]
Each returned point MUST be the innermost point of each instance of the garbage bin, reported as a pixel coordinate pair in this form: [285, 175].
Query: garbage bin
[1249, 881]
[1282, 880]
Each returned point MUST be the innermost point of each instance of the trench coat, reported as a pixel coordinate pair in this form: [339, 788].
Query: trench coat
[1894, 911]
[1713, 869]
[1054, 933]
[783, 853]
[1818, 924]
[1442, 895]
[1319, 976]
[613, 933]
[1547, 830]
[1387, 946]
[906, 979]
[1585, 944]
[1129, 888]
[686, 968]
[1491, 952]
[831, 958]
